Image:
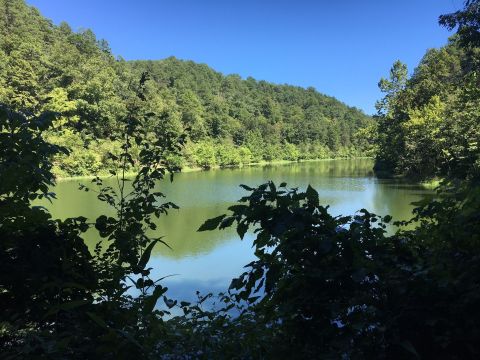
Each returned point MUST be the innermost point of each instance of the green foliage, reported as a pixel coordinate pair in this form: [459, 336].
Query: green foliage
[58, 299]
[291, 152]
[204, 154]
[429, 126]
[228, 155]
[47, 270]
[321, 286]
[254, 113]
[467, 21]
[47, 67]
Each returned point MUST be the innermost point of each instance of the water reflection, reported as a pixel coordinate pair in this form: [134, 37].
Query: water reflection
[211, 259]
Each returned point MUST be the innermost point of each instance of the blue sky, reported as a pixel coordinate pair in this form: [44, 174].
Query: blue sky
[342, 48]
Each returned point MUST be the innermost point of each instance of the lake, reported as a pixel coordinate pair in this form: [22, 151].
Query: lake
[208, 261]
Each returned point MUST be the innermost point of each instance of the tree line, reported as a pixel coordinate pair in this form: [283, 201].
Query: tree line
[427, 124]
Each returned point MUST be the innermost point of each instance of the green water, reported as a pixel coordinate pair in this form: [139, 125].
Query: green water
[207, 261]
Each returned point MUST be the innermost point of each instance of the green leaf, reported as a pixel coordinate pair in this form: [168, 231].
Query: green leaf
[146, 254]
[227, 222]
[151, 300]
[242, 228]
[211, 224]
[312, 195]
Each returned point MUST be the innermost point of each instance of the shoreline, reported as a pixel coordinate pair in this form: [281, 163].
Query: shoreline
[425, 184]
[188, 169]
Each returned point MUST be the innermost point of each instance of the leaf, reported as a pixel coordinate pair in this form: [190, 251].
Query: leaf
[272, 187]
[101, 223]
[236, 284]
[146, 254]
[151, 301]
[227, 222]
[242, 228]
[202, 300]
[407, 345]
[238, 209]
[312, 195]
[211, 224]
[170, 303]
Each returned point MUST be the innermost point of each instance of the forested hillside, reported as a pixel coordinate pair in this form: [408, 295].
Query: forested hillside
[229, 121]
[428, 124]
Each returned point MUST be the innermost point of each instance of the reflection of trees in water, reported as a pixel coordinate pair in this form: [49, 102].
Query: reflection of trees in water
[202, 195]
[331, 168]
[180, 230]
[179, 227]
[395, 198]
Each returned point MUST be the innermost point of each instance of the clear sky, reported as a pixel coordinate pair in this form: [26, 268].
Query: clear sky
[342, 48]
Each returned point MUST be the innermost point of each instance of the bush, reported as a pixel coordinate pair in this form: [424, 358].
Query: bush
[291, 152]
[204, 154]
[245, 155]
[228, 155]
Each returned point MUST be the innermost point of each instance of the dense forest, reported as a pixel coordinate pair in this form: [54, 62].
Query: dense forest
[320, 287]
[229, 121]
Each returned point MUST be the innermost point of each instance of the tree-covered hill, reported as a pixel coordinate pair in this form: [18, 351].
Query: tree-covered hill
[230, 121]
[229, 107]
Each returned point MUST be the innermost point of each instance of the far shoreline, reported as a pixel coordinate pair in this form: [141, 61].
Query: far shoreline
[431, 184]
[188, 169]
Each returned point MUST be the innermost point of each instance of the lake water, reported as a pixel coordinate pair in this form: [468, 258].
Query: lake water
[208, 261]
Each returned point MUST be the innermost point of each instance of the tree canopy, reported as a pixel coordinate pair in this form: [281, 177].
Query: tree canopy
[230, 121]
[428, 125]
